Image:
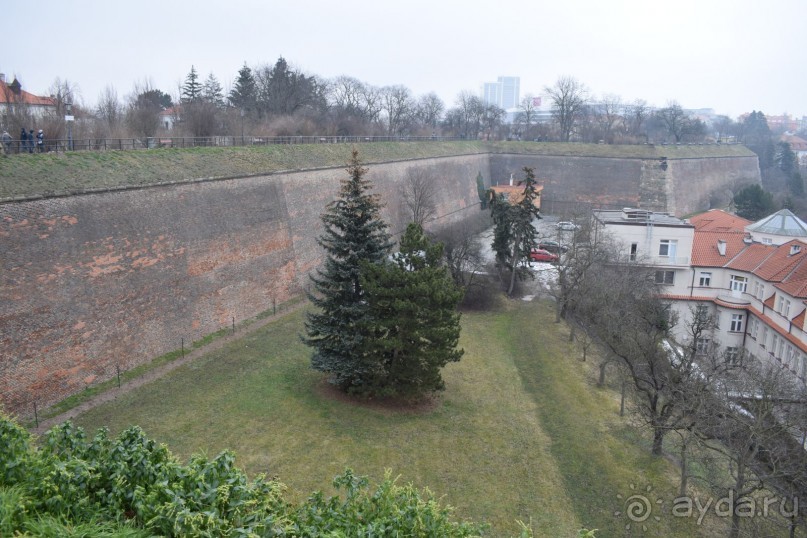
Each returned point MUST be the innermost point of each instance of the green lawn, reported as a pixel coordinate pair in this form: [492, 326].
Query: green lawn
[519, 434]
[59, 174]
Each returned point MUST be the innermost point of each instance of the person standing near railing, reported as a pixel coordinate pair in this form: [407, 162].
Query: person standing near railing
[23, 141]
[40, 141]
[6, 141]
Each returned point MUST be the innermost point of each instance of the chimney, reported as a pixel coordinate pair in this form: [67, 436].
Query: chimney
[511, 180]
[721, 247]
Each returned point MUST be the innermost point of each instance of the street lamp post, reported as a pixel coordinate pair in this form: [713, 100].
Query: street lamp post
[69, 119]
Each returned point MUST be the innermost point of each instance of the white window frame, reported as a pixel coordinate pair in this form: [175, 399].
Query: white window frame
[702, 346]
[705, 279]
[753, 326]
[664, 274]
[667, 248]
[736, 325]
[733, 355]
[738, 283]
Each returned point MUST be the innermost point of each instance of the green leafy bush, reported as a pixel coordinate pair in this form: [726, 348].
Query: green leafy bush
[131, 486]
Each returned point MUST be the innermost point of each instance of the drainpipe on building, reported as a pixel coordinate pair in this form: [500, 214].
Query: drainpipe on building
[692, 285]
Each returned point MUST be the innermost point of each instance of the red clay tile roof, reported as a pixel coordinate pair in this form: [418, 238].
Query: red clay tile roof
[7, 96]
[704, 247]
[515, 193]
[795, 283]
[770, 301]
[798, 321]
[781, 263]
[751, 257]
[716, 220]
[796, 142]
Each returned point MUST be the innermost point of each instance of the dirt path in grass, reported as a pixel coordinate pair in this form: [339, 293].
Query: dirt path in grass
[160, 371]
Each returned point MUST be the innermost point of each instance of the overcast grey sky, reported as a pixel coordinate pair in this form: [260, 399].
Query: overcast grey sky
[730, 55]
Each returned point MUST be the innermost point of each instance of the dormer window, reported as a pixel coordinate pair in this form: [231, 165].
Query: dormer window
[794, 249]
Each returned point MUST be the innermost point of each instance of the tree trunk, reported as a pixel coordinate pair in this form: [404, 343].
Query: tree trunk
[572, 331]
[515, 265]
[658, 438]
[601, 380]
[682, 490]
[622, 400]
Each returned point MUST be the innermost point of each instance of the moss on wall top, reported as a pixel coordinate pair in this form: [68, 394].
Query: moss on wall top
[24, 175]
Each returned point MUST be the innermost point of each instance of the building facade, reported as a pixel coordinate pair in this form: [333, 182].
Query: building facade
[751, 277]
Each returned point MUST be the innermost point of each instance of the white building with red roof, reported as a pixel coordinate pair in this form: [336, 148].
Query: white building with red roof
[12, 95]
[752, 277]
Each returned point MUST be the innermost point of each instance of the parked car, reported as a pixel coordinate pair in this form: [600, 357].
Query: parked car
[567, 226]
[541, 255]
[552, 246]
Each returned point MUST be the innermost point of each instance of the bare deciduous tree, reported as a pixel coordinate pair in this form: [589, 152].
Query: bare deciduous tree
[398, 107]
[569, 96]
[109, 109]
[418, 193]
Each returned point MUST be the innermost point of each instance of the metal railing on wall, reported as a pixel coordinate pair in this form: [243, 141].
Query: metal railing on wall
[102, 144]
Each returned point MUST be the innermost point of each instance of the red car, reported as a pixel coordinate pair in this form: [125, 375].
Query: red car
[541, 255]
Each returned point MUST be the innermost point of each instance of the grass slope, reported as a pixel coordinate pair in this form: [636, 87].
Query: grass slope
[518, 434]
[49, 174]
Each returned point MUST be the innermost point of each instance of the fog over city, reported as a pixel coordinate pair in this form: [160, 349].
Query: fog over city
[733, 56]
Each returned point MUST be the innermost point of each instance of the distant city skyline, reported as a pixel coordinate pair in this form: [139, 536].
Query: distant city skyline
[503, 93]
[739, 56]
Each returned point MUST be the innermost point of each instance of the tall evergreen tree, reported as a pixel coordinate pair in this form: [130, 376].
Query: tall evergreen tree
[244, 90]
[212, 92]
[753, 202]
[413, 319]
[354, 234]
[192, 89]
[514, 234]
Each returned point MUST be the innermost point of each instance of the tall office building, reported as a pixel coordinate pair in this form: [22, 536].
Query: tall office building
[509, 92]
[504, 93]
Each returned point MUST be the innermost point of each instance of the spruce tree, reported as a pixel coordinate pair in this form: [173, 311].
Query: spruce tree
[212, 92]
[514, 234]
[354, 234]
[192, 89]
[244, 90]
[413, 321]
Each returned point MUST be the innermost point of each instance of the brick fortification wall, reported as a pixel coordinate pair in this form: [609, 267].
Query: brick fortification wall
[678, 186]
[98, 281]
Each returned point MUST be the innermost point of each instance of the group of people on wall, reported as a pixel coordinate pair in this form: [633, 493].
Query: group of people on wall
[28, 141]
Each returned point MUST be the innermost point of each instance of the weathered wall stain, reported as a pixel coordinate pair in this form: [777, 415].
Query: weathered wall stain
[105, 280]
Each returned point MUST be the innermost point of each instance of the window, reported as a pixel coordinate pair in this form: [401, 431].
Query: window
[786, 308]
[802, 366]
[736, 323]
[738, 283]
[733, 355]
[764, 342]
[634, 250]
[774, 344]
[767, 241]
[790, 357]
[705, 279]
[667, 247]
[761, 295]
[702, 346]
[665, 277]
[753, 325]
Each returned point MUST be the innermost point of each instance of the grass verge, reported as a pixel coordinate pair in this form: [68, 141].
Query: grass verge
[519, 434]
[51, 174]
